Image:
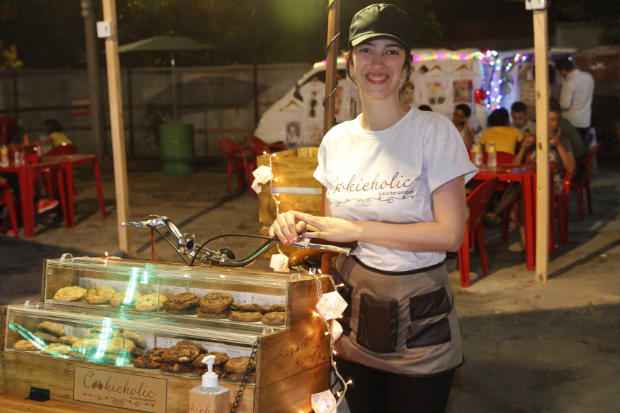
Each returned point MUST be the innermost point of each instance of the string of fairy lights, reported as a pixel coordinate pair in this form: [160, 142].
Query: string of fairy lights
[329, 308]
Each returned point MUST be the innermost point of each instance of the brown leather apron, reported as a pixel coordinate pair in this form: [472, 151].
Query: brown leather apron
[404, 323]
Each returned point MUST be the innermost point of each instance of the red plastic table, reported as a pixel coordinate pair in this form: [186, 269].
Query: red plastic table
[25, 176]
[68, 162]
[526, 176]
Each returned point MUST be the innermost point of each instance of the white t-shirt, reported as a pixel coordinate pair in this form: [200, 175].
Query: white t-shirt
[576, 98]
[389, 176]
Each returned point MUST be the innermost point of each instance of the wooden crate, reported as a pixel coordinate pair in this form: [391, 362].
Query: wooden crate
[296, 187]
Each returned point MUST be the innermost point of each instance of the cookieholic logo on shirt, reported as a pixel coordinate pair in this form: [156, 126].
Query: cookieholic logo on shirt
[363, 189]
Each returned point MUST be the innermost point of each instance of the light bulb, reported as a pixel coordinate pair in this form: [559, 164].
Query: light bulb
[323, 402]
[331, 305]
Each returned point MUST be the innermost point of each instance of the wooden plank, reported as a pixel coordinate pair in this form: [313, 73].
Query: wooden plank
[288, 353]
[25, 370]
[541, 42]
[292, 395]
[116, 123]
[302, 299]
[331, 81]
[2, 345]
[12, 404]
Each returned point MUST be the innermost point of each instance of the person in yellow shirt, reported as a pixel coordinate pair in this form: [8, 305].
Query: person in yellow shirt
[499, 132]
[55, 134]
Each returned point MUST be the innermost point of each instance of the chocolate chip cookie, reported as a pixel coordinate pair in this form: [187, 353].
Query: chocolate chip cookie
[182, 303]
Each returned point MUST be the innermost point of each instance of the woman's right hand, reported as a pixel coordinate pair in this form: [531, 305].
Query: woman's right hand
[287, 227]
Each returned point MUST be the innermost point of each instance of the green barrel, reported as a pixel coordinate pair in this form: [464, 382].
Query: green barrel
[176, 148]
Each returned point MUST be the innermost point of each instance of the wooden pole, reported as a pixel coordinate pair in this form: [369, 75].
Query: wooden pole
[541, 45]
[331, 66]
[94, 86]
[116, 122]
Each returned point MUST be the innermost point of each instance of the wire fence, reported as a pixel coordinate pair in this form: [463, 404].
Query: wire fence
[218, 101]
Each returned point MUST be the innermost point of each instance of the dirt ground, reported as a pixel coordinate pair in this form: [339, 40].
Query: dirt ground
[530, 348]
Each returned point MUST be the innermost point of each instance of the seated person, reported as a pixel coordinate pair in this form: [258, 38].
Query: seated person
[460, 118]
[520, 119]
[560, 155]
[561, 151]
[500, 133]
[568, 132]
[55, 135]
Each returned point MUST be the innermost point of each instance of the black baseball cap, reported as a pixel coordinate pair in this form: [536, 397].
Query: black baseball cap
[381, 20]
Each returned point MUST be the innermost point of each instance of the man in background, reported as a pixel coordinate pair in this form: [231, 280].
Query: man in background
[520, 118]
[576, 95]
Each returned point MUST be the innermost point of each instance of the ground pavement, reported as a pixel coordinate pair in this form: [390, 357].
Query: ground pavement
[530, 348]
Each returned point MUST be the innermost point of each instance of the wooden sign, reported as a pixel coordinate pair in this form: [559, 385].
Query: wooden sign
[126, 391]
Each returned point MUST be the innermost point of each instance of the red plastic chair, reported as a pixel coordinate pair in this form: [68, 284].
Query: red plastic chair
[581, 184]
[477, 202]
[504, 158]
[238, 160]
[6, 199]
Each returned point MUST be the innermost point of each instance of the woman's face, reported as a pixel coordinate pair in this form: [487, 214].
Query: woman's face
[378, 68]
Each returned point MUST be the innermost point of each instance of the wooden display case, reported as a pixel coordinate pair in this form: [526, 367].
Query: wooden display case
[291, 361]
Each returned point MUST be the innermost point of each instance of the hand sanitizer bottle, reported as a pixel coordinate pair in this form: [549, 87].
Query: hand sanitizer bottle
[209, 397]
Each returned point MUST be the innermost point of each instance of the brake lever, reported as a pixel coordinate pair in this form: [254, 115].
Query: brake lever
[307, 243]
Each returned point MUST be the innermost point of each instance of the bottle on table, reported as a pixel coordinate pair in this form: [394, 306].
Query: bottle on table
[4, 156]
[476, 154]
[491, 155]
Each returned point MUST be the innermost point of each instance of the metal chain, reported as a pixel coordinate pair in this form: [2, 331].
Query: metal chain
[245, 379]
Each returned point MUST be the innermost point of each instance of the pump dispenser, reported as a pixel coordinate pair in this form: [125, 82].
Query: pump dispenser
[209, 397]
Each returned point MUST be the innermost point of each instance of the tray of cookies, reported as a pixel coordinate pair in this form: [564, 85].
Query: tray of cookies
[223, 296]
[120, 343]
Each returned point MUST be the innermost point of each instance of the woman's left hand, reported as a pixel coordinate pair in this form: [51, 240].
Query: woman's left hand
[330, 228]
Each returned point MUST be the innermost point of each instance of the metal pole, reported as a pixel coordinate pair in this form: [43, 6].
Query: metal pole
[331, 67]
[94, 86]
[541, 46]
[116, 123]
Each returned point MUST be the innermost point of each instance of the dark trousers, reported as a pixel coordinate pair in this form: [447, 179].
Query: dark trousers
[584, 135]
[375, 391]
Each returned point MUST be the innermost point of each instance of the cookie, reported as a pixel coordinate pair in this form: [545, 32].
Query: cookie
[47, 337]
[135, 337]
[118, 299]
[212, 315]
[52, 328]
[57, 348]
[181, 303]
[237, 365]
[177, 367]
[215, 303]
[274, 308]
[68, 340]
[253, 308]
[150, 360]
[182, 352]
[247, 317]
[24, 345]
[275, 318]
[220, 360]
[72, 293]
[120, 344]
[151, 302]
[99, 295]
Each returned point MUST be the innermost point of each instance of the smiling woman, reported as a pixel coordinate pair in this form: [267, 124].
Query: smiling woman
[394, 180]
